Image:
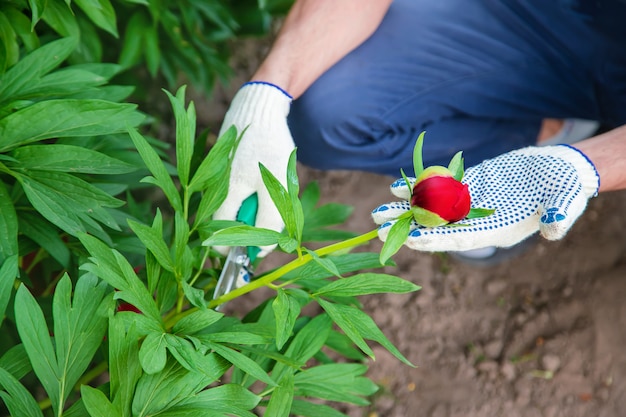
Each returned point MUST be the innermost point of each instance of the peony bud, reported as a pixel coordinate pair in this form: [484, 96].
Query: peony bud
[442, 198]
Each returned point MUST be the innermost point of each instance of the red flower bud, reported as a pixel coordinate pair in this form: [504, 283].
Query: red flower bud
[440, 193]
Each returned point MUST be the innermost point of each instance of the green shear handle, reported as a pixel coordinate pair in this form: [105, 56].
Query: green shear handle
[247, 214]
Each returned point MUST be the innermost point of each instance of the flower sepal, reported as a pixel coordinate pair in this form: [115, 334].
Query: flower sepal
[427, 218]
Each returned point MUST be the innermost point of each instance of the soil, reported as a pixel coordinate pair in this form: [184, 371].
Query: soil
[540, 335]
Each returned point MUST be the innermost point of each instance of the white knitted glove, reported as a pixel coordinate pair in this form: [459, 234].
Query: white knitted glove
[533, 189]
[263, 109]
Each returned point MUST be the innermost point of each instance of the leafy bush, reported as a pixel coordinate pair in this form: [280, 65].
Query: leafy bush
[150, 329]
[161, 37]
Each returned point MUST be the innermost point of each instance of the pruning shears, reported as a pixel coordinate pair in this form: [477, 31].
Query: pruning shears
[239, 265]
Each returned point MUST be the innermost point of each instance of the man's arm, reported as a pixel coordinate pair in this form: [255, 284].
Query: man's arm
[315, 35]
[608, 153]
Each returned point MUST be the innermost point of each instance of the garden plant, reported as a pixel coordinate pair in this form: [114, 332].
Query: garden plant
[107, 259]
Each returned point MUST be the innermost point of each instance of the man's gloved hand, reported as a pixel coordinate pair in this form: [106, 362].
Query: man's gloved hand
[263, 109]
[533, 189]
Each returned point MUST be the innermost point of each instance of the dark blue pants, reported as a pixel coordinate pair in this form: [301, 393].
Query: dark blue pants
[477, 76]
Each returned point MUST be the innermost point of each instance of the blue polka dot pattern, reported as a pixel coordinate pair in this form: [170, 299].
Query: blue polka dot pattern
[533, 189]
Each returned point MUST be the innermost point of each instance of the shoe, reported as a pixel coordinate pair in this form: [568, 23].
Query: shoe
[573, 130]
[491, 255]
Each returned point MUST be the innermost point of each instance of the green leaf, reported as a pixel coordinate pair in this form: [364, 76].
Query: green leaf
[227, 398]
[308, 409]
[418, 164]
[34, 65]
[215, 168]
[367, 283]
[69, 81]
[336, 382]
[196, 321]
[293, 188]
[287, 244]
[326, 263]
[194, 295]
[60, 17]
[46, 235]
[344, 317]
[132, 45]
[16, 397]
[31, 326]
[114, 268]
[342, 344]
[22, 26]
[395, 238]
[160, 175]
[236, 337]
[213, 176]
[226, 395]
[68, 201]
[306, 343]
[456, 166]
[407, 183]
[476, 213]
[282, 200]
[242, 362]
[9, 47]
[183, 258]
[286, 310]
[158, 392]
[152, 238]
[185, 133]
[243, 236]
[326, 215]
[153, 353]
[65, 118]
[345, 263]
[79, 327]
[8, 228]
[152, 49]
[184, 352]
[101, 13]
[69, 158]
[97, 404]
[359, 326]
[15, 361]
[90, 47]
[282, 397]
[124, 366]
[36, 7]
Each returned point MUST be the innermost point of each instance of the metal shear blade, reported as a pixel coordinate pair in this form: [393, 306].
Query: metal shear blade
[236, 272]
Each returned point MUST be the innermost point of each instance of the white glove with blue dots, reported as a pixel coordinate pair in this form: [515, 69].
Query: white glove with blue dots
[533, 189]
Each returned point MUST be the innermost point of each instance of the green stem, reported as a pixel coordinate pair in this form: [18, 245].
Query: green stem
[201, 267]
[296, 263]
[89, 376]
[266, 280]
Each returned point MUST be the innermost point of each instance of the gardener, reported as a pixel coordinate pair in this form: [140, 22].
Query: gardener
[486, 77]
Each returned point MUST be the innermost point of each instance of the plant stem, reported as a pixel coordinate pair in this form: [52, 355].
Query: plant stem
[200, 268]
[266, 280]
[296, 263]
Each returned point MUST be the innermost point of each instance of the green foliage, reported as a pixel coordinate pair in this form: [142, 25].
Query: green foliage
[167, 351]
[160, 37]
[107, 259]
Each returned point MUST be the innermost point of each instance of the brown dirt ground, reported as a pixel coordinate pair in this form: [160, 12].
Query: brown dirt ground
[541, 335]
